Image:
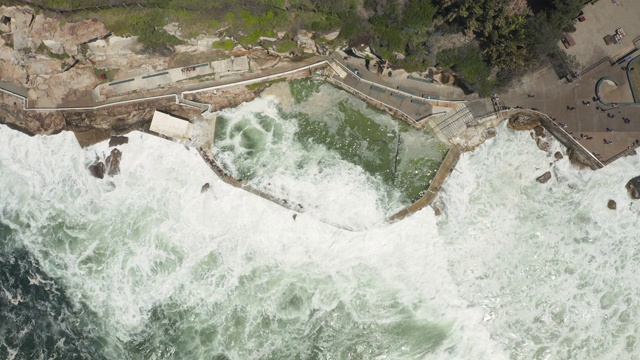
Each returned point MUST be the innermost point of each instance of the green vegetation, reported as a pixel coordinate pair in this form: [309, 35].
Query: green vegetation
[500, 32]
[468, 62]
[148, 26]
[226, 44]
[302, 89]
[58, 56]
[285, 46]
[511, 36]
[109, 73]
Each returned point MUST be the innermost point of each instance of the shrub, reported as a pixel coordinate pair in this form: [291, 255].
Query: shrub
[468, 62]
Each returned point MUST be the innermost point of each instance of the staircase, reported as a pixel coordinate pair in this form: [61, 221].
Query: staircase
[448, 125]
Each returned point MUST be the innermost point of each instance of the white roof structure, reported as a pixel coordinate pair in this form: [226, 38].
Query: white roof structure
[171, 126]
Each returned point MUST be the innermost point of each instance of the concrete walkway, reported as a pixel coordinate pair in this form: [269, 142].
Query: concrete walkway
[566, 103]
[403, 96]
[169, 77]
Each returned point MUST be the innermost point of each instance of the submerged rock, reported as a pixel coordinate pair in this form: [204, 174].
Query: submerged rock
[611, 204]
[118, 140]
[633, 188]
[97, 169]
[205, 188]
[113, 162]
[558, 155]
[543, 145]
[544, 177]
[539, 131]
[295, 216]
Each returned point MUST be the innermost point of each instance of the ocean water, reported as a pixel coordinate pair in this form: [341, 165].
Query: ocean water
[144, 265]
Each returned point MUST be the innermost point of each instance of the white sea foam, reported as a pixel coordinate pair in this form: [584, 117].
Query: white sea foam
[550, 264]
[155, 240]
[514, 268]
[329, 187]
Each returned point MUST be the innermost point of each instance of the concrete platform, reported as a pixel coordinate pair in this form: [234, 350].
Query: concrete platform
[602, 19]
[557, 98]
[171, 126]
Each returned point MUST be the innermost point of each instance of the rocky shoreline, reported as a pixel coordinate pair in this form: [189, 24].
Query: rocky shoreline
[43, 56]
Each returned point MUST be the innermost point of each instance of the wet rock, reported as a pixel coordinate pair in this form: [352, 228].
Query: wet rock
[539, 131]
[611, 205]
[118, 140]
[490, 133]
[97, 169]
[543, 145]
[523, 122]
[558, 155]
[633, 188]
[544, 177]
[578, 159]
[205, 188]
[295, 216]
[113, 162]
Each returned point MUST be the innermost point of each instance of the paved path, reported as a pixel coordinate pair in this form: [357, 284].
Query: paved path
[557, 98]
[12, 89]
[407, 97]
[413, 99]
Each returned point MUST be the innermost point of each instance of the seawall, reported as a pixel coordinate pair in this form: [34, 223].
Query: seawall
[449, 163]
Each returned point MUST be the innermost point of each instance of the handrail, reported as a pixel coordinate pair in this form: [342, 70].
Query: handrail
[397, 90]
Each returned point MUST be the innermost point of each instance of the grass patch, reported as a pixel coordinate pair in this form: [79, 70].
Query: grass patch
[267, 83]
[285, 45]
[146, 24]
[226, 44]
[42, 49]
[58, 56]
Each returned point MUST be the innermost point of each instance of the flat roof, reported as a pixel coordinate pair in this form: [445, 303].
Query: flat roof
[171, 126]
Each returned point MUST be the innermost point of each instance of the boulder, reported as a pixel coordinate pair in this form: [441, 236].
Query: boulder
[558, 155]
[113, 162]
[332, 35]
[578, 159]
[118, 140]
[97, 169]
[523, 122]
[633, 188]
[205, 187]
[544, 177]
[11, 72]
[74, 34]
[54, 46]
[539, 131]
[18, 21]
[543, 145]
[611, 205]
[305, 41]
